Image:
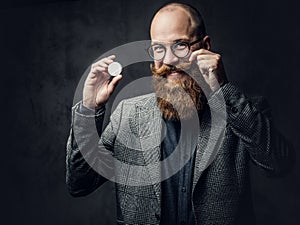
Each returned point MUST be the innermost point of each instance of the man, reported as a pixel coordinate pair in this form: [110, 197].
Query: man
[219, 192]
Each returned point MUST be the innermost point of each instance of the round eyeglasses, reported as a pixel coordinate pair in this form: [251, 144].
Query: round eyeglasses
[180, 49]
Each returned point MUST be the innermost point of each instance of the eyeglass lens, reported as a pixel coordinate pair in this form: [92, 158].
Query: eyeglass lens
[158, 51]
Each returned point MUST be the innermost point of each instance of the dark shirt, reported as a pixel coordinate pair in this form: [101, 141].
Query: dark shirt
[176, 191]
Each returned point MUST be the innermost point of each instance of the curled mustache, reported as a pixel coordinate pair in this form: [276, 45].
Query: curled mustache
[166, 69]
[171, 100]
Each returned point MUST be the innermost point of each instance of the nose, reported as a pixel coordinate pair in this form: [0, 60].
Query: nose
[170, 58]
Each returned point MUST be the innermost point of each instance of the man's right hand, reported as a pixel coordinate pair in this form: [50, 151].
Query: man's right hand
[98, 87]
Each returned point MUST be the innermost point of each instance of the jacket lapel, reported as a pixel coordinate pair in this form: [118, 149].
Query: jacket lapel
[212, 131]
[150, 128]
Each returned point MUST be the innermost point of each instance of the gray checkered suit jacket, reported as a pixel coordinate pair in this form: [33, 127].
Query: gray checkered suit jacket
[221, 192]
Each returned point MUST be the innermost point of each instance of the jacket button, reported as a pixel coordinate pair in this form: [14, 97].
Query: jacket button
[157, 216]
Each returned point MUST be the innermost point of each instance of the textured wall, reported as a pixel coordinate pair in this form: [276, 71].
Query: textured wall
[45, 49]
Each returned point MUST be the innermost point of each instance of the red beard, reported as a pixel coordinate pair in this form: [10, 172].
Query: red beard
[181, 98]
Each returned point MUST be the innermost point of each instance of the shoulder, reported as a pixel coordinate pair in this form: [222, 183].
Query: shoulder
[143, 101]
[135, 108]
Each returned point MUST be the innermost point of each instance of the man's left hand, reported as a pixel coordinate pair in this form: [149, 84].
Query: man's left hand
[211, 67]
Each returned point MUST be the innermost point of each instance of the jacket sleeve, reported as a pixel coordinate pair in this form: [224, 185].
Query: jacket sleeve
[250, 120]
[86, 160]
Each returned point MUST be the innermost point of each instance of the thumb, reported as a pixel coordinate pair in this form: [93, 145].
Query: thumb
[112, 85]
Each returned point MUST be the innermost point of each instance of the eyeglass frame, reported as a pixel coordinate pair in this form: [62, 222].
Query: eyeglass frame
[189, 44]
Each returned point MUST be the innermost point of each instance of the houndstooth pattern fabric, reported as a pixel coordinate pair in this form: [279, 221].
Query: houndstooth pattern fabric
[221, 192]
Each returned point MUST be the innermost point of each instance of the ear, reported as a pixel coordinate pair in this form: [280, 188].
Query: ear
[206, 42]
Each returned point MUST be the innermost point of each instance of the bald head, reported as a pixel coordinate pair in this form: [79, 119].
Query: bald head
[189, 16]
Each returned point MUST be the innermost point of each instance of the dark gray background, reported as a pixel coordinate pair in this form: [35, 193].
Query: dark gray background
[47, 45]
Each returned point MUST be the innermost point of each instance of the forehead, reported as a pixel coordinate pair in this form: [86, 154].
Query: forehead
[168, 26]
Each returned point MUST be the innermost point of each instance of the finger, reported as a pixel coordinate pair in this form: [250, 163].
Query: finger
[205, 57]
[112, 57]
[210, 63]
[114, 83]
[99, 72]
[108, 60]
[199, 52]
[97, 69]
[206, 67]
[104, 61]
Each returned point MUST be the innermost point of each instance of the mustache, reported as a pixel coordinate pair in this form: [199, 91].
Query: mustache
[166, 69]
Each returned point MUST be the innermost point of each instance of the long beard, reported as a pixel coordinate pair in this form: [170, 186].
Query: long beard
[181, 98]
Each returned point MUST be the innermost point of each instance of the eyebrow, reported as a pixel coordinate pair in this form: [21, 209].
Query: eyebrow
[180, 40]
[175, 41]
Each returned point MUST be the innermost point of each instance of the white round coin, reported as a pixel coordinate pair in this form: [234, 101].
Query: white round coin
[114, 69]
